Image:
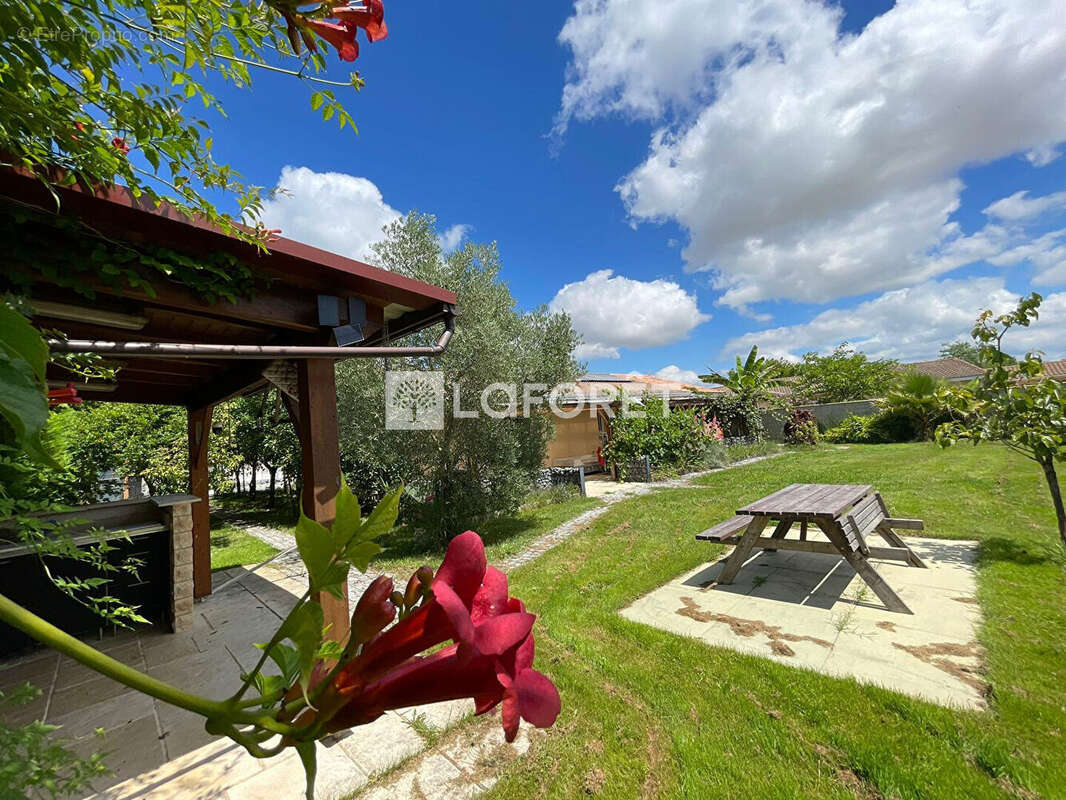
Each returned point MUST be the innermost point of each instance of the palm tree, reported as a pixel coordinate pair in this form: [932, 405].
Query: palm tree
[751, 379]
[919, 397]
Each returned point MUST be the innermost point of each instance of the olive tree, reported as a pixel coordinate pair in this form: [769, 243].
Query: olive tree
[473, 467]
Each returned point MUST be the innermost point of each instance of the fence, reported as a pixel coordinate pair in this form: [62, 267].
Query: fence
[827, 415]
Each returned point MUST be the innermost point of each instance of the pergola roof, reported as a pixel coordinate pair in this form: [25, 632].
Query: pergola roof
[282, 311]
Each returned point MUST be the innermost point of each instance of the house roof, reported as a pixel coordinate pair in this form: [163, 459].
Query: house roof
[607, 386]
[1055, 369]
[946, 368]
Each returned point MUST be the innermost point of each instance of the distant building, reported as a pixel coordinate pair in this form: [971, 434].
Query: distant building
[952, 370]
[579, 439]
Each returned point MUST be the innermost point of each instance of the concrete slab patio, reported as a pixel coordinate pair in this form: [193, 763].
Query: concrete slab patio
[811, 610]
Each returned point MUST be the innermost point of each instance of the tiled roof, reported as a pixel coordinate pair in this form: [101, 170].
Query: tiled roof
[1055, 369]
[611, 384]
[946, 368]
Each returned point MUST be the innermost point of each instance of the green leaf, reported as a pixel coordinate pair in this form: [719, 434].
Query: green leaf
[287, 659]
[317, 550]
[317, 99]
[383, 518]
[24, 405]
[22, 340]
[360, 554]
[304, 629]
[349, 518]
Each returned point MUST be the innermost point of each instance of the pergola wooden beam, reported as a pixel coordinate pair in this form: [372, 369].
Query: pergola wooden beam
[317, 410]
[199, 485]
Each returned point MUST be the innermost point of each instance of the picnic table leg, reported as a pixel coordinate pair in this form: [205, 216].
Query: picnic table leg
[866, 571]
[780, 532]
[896, 540]
[803, 531]
[742, 549]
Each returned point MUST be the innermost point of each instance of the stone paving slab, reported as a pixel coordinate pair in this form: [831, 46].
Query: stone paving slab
[811, 610]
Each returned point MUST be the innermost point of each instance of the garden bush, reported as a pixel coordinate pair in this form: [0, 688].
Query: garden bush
[670, 439]
[853, 430]
[801, 428]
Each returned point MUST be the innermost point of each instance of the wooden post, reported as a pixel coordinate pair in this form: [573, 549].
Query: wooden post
[321, 466]
[199, 436]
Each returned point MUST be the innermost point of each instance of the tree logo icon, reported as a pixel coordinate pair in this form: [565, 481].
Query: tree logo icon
[414, 400]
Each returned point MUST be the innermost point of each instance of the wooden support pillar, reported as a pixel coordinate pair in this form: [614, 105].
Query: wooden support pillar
[317, 409]
[199, 436]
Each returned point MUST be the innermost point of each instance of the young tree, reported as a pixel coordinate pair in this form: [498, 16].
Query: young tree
[968, 351]
[845, 374]
[1018, 405]
[473, 467]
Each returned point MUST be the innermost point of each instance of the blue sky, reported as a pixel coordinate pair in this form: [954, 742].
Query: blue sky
[790, 174]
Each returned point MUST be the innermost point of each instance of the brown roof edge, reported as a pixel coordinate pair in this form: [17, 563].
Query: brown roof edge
[117, 204]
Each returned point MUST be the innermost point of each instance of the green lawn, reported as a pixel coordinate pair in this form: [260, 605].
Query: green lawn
[650, 714]
[503, 537]
[232, 547]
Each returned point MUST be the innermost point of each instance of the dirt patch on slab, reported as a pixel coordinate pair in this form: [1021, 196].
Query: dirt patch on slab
[940, 655]
[970, 600]
[750, 627]
[886, 626]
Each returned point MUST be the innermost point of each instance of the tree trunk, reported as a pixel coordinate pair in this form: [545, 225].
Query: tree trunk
[252, 482]
[237, 481]
[273, 484]
[1056, 495]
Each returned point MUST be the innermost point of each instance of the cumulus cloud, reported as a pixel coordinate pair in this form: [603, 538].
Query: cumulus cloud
[808, 164]
[1020, 206]
[332, 210]
[909, 324]
[612, 311]
[452, 237]
[672, 372]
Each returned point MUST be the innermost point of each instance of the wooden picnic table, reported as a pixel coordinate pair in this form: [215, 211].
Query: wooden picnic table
[846, 513]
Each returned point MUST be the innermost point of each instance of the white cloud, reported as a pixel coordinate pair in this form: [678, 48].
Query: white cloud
[1042, 156]
[909, 324]
[672, 372]
[614, 311]
[332, 210]
[453, 236]
[1020, 206]
[810, 165]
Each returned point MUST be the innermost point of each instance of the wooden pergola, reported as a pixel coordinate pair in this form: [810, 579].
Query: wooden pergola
[174, 347]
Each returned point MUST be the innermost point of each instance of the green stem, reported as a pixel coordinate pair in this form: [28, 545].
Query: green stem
[43, 631]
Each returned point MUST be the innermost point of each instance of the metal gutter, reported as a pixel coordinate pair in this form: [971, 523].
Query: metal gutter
[249, 351]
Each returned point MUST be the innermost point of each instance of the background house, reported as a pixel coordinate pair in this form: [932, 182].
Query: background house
[584, 426]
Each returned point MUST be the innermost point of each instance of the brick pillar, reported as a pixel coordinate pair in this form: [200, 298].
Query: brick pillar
[178, 519]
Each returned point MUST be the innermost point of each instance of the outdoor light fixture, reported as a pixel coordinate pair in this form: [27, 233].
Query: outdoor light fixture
[110, 319]
[329, 316]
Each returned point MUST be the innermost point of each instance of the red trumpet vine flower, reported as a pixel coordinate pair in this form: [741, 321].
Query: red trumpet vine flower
[370, 17]
[120, 144]
[340, 36]
[490, 660]
[67, 395]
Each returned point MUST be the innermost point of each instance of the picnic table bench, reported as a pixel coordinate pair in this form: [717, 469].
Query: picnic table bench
[848, 514]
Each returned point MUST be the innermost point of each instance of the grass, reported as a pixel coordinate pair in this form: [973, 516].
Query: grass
[405, 551]
[504, 537]
[232, 547]
[650, 714]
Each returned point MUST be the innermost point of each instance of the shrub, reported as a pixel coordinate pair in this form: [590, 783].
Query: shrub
[669, 439]
[890, 426]
[801, 427]
[737, 416]
[853, 429]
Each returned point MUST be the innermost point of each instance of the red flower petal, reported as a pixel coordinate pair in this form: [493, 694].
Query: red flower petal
[456, 612]
[491, 598]
[495, 635]
[464, 566]
[538, 699]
